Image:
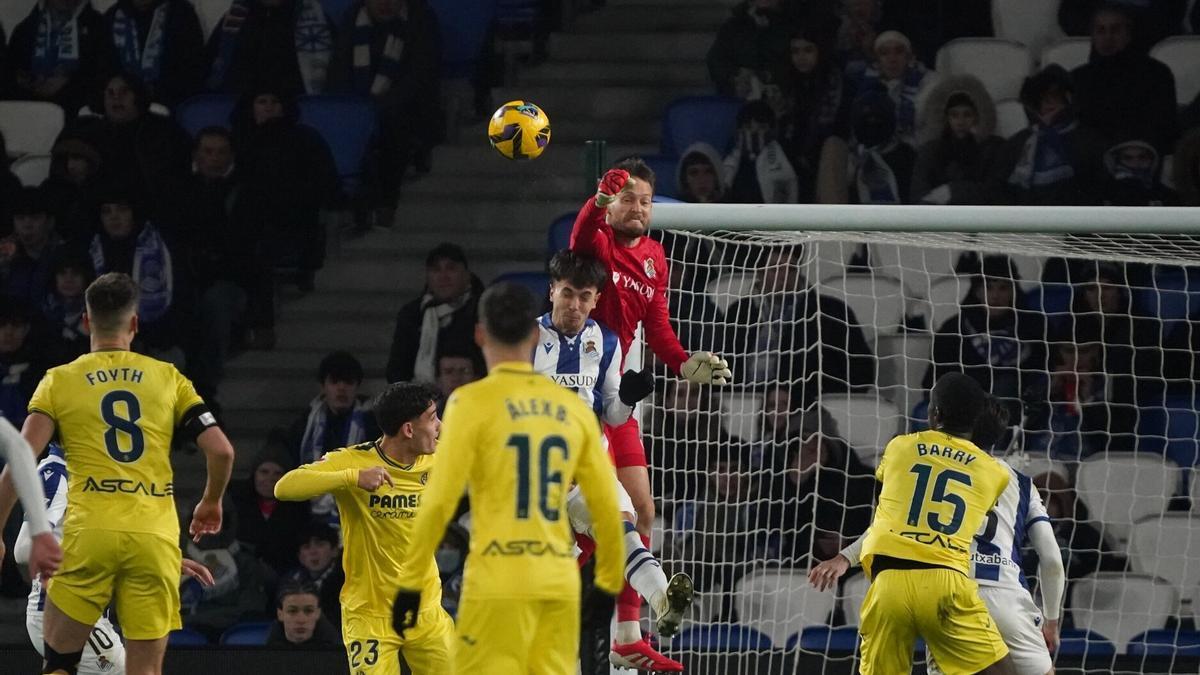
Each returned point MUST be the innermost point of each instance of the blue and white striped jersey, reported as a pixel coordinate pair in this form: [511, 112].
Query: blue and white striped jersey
[53, 472]
[996, 549]
[589, 363]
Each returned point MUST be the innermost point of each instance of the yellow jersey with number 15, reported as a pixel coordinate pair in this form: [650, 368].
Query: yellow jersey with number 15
[115, 413]
[937, 490]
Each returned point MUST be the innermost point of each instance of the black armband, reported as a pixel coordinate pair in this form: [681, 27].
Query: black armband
[196, 420]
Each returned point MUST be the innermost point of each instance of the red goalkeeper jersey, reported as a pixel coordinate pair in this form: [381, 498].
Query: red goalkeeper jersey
[638, 286]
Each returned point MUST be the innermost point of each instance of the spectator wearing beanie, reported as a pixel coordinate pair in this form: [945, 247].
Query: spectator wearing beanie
[958, 146]
[285, 43]
[57, 53]
[162, 42]
[898, 73]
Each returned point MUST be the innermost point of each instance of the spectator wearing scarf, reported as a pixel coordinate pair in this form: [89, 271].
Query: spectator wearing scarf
[57, 52]
[881, 164]
[757, 170]
[905, 79]
[285, 43]
[160, 41]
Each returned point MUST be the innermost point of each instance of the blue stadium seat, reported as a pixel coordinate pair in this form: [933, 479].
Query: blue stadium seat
[712, 119]
[1175, 295]
[1172, 429]
[464, 26]
[721, 637]
[347, 123]
[186, 637]
[253, 633]
[1076, 642]
[205, 110]
[337, 11]
[665, 168]
[538, 282]
[559, 236]
[825, 639]
[1053, 299]
[1165, 642]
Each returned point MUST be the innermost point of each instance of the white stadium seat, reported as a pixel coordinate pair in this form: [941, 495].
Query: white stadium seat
[1182, 55]
[1002, 65]
[902, 361]
[865, 421]
[1010, 117]
[945, 299]
[210, 13]
[854, 591]
[741, 415]
[1070, 53]
[1121, 488]
[914, 266]
[31, 169]
[877, 301]
[1119, 605]
[1167, 545]
[13, 12]
[781, 603]
[827, 259]
[727, 289]
[1033, 24]
[30, 127]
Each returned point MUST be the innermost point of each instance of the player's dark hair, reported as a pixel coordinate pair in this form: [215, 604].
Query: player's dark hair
[110, 298]
[296, 587]
[956, 401]
[509, 312]
[340, 366]
[581, 271]
[402, 402]
[638, 168]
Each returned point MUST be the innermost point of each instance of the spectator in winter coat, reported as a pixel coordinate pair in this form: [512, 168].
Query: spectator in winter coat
[897, 72]
[699, 175]
[954, 159]
[856, 34]
[1133, 177]
[1186, 169]
[73, 188]
[757, 170]
[21, 364]
[58, 53]
[1153, 20]
[27, 256]
[881, 164]
[1121, 92]
[282, 44]
[442, 318]
[161, 42]
[300, 620]
[320, 558]
[815, 107]
[269, 528]
[63, 308]
[749, 49]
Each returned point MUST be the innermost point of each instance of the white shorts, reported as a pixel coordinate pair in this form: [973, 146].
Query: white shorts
[581, 518]
[102, 655]
[1020, 624]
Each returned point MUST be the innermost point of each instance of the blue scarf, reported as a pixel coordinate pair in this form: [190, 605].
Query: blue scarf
[387, 69]
[1044, 160]
[312, 448]
[903, 95]
[56, 47]
[313, 40]
[147, 61]
[874, 180]
[151, 271]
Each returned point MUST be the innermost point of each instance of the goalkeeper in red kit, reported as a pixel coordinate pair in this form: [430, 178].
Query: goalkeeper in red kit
[612, 227]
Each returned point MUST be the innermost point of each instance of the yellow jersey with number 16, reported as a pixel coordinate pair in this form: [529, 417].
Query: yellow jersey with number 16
[115, 413]
[937, 490]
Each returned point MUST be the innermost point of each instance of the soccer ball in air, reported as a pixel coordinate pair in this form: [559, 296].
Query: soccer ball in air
[519, 130]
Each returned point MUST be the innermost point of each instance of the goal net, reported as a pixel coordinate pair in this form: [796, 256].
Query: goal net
[834, 339]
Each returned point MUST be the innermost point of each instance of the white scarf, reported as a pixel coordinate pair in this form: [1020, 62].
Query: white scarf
[434, 318]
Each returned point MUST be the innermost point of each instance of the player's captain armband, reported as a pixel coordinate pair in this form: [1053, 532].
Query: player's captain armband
[196, 420]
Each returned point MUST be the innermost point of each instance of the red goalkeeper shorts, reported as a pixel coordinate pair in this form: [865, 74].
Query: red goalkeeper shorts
[625, 444]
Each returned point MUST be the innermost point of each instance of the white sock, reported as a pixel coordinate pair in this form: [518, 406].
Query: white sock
[628, 632]
[644, 572]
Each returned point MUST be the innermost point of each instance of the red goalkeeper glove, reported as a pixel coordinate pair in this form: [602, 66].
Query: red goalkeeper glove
[611, 184]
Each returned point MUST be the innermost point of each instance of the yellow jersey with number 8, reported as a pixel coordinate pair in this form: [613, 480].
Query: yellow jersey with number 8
[937, 490]
[115, 413]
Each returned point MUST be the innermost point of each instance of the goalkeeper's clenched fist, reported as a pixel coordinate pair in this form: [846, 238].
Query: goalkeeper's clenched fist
[706, 368]
[613, 182]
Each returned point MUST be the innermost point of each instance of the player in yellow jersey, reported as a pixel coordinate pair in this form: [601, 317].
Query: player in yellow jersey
[115, 413]
[516, 441]
[937, 489]
[380, 488]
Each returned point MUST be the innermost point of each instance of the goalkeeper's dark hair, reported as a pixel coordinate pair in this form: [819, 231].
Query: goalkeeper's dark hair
[295, 586]
[581, 271]
[638, 168]
[402, 402]
[509, 312]
[955, 404]
[110, 299]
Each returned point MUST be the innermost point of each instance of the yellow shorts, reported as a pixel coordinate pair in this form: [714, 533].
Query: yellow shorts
[516, 637]
[138, 573]
[940, 605]
[373, 648]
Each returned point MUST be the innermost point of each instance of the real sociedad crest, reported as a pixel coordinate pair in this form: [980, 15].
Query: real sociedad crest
[648, 264]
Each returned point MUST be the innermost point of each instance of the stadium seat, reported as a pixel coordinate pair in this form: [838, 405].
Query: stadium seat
[30, 127]
[31, 169]
[252, 633]
[712, 119]
[1085, 643]
[1168, 546]
[1173, 296]
[915, 266]
[664, 167]
[1070, 53]
[1010, 117]
[854, 591]
[347, 123]
[945, 298]
[741, 415]
[878, 302]
[210, 13]
[538, 282]
[823, 639]
[1033, 24]
[13, 12]
[781, 602]
[824, 260]
[902, 361]
[186, 637]
[1194, 491]
[1122, 605]
[103, 6]
[720, 637]
[1121, 488]
[464, 26]
[1172, 429]
[1166, 642]
[559, 235]
[1182, 55]
[1002, 65]
[865, 421]
[727, 289]
[205, 110]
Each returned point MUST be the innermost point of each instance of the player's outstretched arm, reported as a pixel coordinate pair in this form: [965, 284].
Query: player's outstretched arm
[218, 455]
[324, 476]
[1051, 577]
[595, 476]
[20, 476]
